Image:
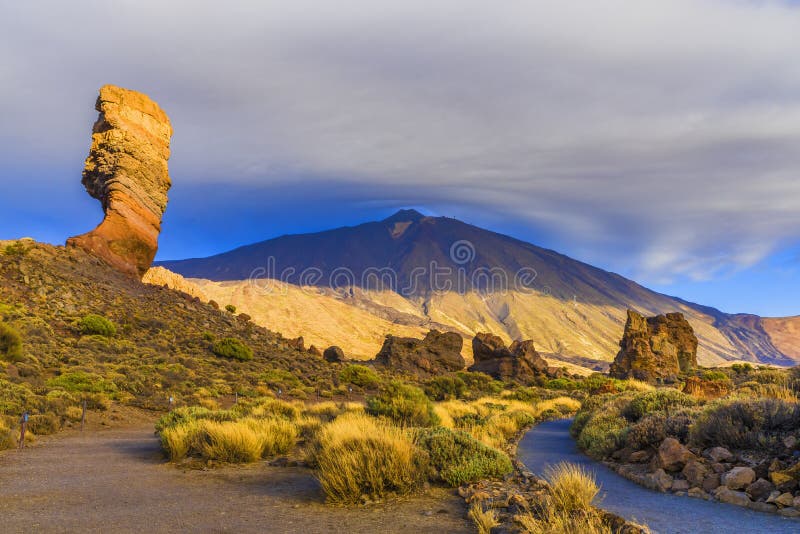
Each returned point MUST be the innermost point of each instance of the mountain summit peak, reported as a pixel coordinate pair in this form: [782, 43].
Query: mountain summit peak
[405, 215]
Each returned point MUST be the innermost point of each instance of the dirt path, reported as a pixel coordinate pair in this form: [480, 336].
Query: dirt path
[117, 481]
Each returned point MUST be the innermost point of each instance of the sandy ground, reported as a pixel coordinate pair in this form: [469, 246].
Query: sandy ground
[116, 480]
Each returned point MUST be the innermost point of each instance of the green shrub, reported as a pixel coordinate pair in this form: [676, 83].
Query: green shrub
[360, 375]
[96, 325]
[602, 435]
[715, 375]
[404, 404]
[660, 400]
[560, 383]
[10, 343]
[742, 368]
[44, 424]
[459, 458]
[445, 388]
[15, 249]
[480, 383]
[79, 381]
[230, 347]
[746, 424]
[231, 308]
[653, 428]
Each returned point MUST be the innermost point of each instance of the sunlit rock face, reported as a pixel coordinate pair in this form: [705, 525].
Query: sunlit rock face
[655, 348]
[126, 170]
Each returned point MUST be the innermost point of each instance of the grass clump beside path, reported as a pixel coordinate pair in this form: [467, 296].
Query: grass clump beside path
[459, 458]
[360, 455]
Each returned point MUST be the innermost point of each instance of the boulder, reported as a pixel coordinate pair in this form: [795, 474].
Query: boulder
[126, 170]
[659, 480]
[719, 454]
[784, 499]
[790, 442]
[711, 482]
[680, 484]
[763, 507]
[672, 455]
[697, 493]
[789, 512]
[639, 457]
[333, 354]
[727, 495]
[738, 478]
[760, 489]
[438, 352]
[655, 348]
[519, 362]
[695, 472]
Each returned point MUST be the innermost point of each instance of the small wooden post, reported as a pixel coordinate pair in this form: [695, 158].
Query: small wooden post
[23, 425]
[236, 397]
[171, 401]
[83, 415]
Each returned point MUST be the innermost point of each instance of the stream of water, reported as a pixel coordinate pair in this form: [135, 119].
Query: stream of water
[550, 443]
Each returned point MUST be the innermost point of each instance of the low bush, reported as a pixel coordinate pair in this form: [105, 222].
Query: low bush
[404, 404]
[652, 429]
[659, 400]
[82, 382]
[484, 519]
[360, 375]
[459, 458]
[480, 384]
[444, 388]
[745, 424]
[602, 435]
[715, 375]
[96, 325]
[232, 348]
[572, 488]
[44, 424]
[358, 455]
[10, 343]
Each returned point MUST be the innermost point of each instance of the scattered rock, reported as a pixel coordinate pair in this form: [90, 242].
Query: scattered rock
[672, 455]
[789, 512]
[727, 495]
[711, 482]
[760, 489]
[763, 507]
[697, 493]
[680, 485]
[655, 348]
[333, 354]
[784, 499]
[719, 454]
[695, 472]
[739, 477]
[127, 172]
[639, 457]
[518, 362]
[438, 352]
[790, 442]
[705, 389]
[660, 480]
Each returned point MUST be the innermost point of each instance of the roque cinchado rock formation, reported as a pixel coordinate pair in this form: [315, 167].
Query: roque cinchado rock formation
[655, 348]
[127, 172]
[518, 362]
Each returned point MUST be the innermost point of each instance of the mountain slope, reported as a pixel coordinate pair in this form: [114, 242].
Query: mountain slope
[444, 271]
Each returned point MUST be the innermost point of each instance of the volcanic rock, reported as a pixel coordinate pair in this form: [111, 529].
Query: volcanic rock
[673, 456]
[518, 362]
[705, 389]
[739, 477]
[333, 354]
[438, 352]
[127, 172]
[655, 348]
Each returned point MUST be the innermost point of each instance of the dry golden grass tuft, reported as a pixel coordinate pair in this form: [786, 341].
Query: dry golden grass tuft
[568, 509]
[485, 519]
[359, 455]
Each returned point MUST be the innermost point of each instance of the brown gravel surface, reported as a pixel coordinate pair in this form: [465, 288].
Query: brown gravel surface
[116, 480]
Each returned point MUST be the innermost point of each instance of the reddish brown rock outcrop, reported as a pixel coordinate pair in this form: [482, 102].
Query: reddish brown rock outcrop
[518, 362]
[655, 348]
[127, 172]
[438, 352]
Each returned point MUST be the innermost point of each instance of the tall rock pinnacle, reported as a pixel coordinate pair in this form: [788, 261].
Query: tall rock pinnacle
[127, 172]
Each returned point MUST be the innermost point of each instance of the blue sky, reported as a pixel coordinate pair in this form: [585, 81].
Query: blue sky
[654, 139]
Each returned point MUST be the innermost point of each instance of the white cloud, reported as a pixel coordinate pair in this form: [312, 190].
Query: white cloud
[664, 130]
